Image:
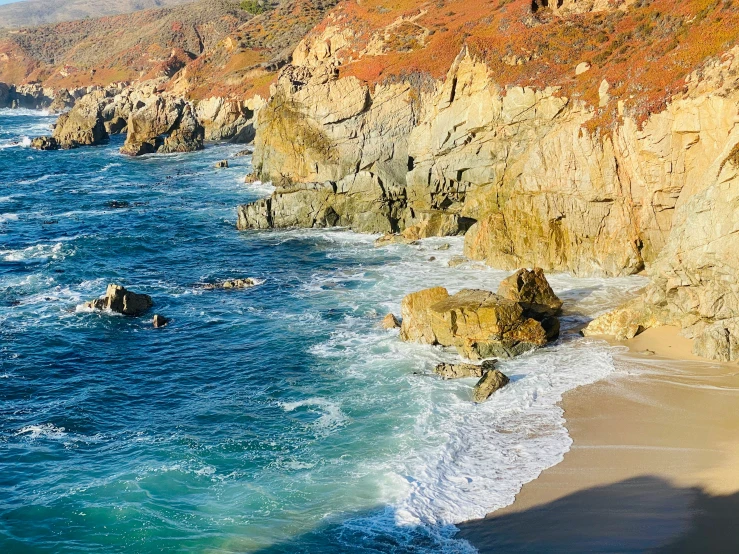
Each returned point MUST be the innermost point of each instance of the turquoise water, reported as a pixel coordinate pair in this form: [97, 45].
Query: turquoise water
[275, 419]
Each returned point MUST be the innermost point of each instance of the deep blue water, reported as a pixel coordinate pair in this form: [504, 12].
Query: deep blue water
[274, 419]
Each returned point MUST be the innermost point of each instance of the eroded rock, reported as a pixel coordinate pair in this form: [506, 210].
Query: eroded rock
[390, 322]
[118, 299]
[491, 382]
[532, 290]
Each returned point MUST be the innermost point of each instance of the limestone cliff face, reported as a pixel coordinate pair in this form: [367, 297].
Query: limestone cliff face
[519, 161]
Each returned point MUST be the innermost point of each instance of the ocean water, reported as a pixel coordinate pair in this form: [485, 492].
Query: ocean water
[278, 419]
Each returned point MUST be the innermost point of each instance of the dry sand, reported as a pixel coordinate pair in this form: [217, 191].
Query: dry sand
[654, 465]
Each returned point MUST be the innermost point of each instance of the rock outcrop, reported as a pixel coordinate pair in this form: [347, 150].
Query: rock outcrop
[163, 125]
[532, 291]
[478, 323]
[390, 322]
[119, 300]
[491, 382]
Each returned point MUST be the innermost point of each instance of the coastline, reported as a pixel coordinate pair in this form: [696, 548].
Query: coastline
[652, 466]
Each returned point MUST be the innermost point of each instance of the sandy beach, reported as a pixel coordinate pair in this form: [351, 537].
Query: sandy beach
[654, 465]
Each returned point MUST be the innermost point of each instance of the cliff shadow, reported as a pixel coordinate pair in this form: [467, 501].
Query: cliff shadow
[643, 514]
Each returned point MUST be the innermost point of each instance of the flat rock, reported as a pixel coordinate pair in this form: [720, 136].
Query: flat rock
[461, 371]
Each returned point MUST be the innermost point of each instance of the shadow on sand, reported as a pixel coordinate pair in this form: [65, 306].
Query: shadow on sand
[644, 514]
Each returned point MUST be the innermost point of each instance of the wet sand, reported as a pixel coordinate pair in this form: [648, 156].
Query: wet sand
[654, 465]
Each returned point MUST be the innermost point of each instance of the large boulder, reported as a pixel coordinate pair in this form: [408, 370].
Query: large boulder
[118, 299]
[531, 289]
[479, 323]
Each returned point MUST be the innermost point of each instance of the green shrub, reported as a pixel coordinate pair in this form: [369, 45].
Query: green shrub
[254, 7]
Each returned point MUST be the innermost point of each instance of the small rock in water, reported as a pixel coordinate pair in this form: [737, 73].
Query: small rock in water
[160, 321]
[223, 164]
[232, 284]
[45, 143]
[492, 381]
[445, 246]
[118, 299]
[394, 239]
[390, 322]
[118, 204]
[460, 371]
[532, 290]
[457, 261]
[245, 152]
[432, 259]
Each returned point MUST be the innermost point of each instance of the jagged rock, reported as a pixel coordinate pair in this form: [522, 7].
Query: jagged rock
[492, 381]
[163, 125]
[224, 119]
[719, 341]
[160, 321]
[244, 152]
[83, 125]
[223, 164]
[391, 238]
[532, 290]
[461, 371]
[45, 143]
[63, 100]
[478, 323]
[118, 299]
[390, 322]
[251, 178]
[435, 223]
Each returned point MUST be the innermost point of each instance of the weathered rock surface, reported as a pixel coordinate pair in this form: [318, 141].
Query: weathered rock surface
[532, 290]
[491, 382]
[461, 371]
[390, 322]
[45, 143]
[478, 323]
[163, 125]
[83, 124]
[118, 299]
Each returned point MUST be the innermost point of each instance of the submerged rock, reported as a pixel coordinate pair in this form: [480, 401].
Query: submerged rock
[389, 239]
[456, 261]
[118, 299]
[492, 381]
[390, 322]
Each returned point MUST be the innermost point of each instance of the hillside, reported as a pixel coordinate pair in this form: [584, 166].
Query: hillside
[30, 13]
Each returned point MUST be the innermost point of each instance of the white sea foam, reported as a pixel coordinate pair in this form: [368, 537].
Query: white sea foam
[43, 431]
[37, 252]
[4, 218]
[331, 417]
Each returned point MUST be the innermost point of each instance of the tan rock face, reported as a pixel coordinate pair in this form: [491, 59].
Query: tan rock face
[390, 322]
[83, 125]
[163, 125]
[459, 371]
[532, 291]
[491, 382]
[478, 323]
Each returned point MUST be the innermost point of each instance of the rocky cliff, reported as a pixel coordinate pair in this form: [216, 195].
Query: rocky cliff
[589, 174]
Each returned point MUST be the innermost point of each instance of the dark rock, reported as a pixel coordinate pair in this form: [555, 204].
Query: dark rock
[223, 164]
[45, 143]
[160, 321]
